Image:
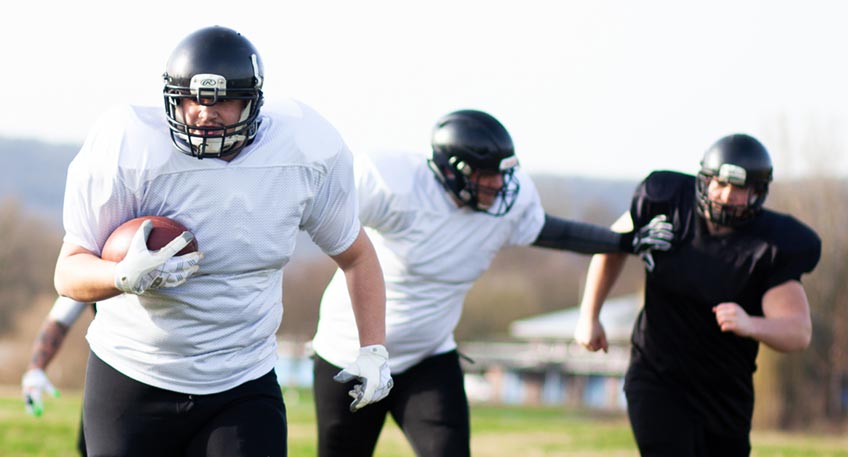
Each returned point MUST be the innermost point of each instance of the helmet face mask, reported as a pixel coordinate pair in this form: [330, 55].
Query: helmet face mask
[741, 161]
[471, 151]
[211, 66]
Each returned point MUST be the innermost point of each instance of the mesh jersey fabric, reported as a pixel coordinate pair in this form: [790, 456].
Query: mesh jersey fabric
[217, 330]
[431, 252]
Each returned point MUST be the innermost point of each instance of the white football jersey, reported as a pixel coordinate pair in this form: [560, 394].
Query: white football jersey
[217, 330]
[431, 252]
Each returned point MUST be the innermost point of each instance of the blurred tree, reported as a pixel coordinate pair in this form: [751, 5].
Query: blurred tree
[27, 258]
[814, 380]
[811, 386]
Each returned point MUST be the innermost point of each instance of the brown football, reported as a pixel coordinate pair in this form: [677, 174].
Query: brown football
[164, 230]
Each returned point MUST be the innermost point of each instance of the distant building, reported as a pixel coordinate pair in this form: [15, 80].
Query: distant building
[541, 364]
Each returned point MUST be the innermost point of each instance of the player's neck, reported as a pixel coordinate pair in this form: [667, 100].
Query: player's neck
[716, 229]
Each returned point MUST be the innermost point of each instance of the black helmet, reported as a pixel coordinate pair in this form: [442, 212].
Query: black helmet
[211, 65]
[740, 160]
[467, 141]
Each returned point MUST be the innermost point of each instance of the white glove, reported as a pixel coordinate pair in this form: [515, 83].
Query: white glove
[142, 269]
[33, 384]
[372, 368]
[655, 236]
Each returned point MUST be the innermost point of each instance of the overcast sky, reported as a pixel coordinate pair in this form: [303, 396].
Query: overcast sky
[594, 88]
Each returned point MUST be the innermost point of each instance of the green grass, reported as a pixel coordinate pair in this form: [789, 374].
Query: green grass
[496, 431]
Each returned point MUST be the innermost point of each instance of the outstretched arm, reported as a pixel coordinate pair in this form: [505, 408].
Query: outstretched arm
[785, 325]
[581, 237]
[588, 238]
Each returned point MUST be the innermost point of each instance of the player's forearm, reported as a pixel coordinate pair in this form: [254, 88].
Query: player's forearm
[604, 270]
[783, 334]
[581, 237]
[367, 289]
[369, 308]
[47, 344]
[83, 276]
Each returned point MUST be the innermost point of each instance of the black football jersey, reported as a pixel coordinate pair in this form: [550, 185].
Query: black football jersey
[676, 340]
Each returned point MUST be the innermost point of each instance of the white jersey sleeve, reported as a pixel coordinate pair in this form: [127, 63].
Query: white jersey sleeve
[532, 213]
[332, 221]
[95, 195]
[66, 311]
[372, 191]
[218, 329]
[431, 252]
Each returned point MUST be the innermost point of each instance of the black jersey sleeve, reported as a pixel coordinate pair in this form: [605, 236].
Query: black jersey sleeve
[796, 248]
[662, 192]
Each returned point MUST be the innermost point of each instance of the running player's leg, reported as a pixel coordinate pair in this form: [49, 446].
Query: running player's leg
[738, 445]
[342, 433]
[248, 420]
[124, 417]
[430, 405]
[81, 439]
[662, 422]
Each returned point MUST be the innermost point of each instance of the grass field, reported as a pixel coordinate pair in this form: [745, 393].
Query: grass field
[496, 432]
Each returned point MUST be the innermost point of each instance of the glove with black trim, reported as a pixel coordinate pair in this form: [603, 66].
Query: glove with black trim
[143, 269]
[656, 235]
[372, 368]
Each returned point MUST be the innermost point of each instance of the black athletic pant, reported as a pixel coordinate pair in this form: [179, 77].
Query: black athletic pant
[123, 417]
[81, 439]
[427, 402]
[80, 433]
[664, 425]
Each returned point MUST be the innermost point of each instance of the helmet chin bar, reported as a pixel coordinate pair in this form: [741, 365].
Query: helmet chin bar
[504, 197]
[210, 146]
[466, 191]
[724, 214]
[231, 141]
[729, 215]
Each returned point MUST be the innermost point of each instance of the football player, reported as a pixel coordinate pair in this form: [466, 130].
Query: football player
[183, 347]
[437, 224]
[731, 281]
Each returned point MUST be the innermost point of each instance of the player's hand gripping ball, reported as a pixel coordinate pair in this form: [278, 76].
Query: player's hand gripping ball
[151, 252]
[164, 230]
